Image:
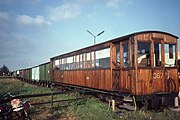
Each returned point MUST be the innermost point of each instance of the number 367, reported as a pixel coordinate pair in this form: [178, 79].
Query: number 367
[157, 75]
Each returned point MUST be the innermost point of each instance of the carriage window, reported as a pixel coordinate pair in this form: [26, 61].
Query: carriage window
[84, 61]
[88, 60]
[56, 64]
[118, 54]
[169, 55]
[64, 64]
[80, 61]
[157, 54]
[132, 49]
[125, 55]
[69, 63]
[60, 64]
[92, 54]
[103, 58]
[77, 62]
[144, 54]
[74, 62]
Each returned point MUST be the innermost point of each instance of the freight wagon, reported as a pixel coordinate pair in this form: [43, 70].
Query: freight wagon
[41, 72]
[44, 72]
[35, 73]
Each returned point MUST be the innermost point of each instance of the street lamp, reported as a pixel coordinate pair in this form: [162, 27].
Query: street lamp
[95, 35]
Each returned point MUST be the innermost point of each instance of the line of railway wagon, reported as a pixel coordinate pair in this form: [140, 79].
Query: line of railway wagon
[37, 74]
[141, 65]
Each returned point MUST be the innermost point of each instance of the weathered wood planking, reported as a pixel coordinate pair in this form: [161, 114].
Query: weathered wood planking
[99, 79]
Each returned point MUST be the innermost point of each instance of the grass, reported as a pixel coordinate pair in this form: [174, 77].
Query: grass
[152, 115]
[94, 110]
[17, 87]
[89, 109]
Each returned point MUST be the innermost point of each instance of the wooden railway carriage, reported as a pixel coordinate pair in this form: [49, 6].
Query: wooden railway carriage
[142, 64]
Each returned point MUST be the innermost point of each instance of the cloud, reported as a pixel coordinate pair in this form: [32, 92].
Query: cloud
[40, 20]
[85, 2]
[28, 20]
[4, 16]
[34, 1]
[118, 3]
[65, 11]
[15, 48]
[14, 44]
[7, 22]
[117, 6]
[118, 14]
[113, 3]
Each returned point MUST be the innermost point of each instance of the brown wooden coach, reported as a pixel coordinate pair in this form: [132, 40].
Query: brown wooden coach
[142, 64]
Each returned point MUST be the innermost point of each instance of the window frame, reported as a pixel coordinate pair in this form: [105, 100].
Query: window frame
[168, 53]
[81, 58]
[161, 50]
[150, 52]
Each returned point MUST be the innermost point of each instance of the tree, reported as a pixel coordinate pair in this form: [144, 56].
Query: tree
[4, 71]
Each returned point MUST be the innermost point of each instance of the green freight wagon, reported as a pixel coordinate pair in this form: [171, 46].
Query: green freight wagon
[29, 74]
[47, 71]
[44, 71]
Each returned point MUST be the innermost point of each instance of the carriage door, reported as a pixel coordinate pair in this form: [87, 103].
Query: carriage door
[161, 73]
[116, 68]
[158, 78]
[126, 72]
[121, 70]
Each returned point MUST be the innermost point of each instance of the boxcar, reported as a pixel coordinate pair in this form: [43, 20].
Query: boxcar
[44, 70]
[35, 73]
[142, 64]
[24, 73]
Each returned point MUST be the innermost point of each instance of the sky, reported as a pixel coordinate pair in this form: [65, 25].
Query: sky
[33, 31]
